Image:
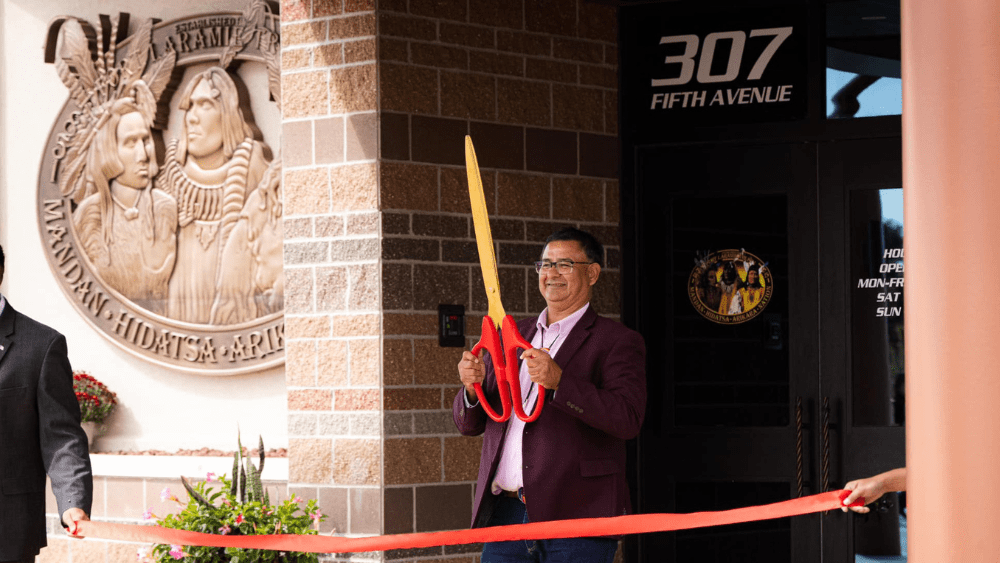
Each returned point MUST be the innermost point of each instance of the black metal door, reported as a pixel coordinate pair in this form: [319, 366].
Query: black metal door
[765, 405]
[732, 402]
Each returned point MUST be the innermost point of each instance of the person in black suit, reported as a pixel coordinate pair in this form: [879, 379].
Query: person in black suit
[40, 434]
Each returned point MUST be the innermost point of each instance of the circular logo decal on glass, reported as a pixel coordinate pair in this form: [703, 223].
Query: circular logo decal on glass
[730, 286]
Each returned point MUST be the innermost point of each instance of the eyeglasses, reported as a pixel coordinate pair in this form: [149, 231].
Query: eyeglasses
[562, 266]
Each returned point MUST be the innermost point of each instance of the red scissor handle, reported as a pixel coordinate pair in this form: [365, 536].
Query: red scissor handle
[513, 341]
[490, 340]
[505, 368]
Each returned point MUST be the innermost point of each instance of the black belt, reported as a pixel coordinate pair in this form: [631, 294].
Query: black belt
[518, 494]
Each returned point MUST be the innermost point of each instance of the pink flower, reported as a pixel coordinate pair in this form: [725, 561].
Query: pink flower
[144, 554]
[239, 519]
[148, 515]
[295, 498]
[316, 516]
[166, 495]
[210, 477]
[177, 552]
[225, 529]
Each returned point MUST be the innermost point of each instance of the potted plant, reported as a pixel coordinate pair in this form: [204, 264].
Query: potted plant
[237, 506]
[96, 402]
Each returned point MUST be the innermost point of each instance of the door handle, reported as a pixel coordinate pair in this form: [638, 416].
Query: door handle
[798, 445]
[825, 461]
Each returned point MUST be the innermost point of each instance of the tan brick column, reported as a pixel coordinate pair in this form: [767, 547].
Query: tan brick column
[332, 251]
[535, 85]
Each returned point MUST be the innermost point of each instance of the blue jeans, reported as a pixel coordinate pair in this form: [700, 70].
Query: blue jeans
[570, 550]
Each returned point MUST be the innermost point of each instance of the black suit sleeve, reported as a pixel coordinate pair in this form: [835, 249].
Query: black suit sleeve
[63, 442]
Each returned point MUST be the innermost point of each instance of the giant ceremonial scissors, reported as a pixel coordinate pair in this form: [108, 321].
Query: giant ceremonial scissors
[504, 353]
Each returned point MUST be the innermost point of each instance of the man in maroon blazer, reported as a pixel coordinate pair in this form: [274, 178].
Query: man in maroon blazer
[570, 462]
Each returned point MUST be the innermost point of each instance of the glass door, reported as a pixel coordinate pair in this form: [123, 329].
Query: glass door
[862, 347]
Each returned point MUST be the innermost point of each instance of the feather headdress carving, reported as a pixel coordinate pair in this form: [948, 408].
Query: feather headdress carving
[255, 23]
[96, 82]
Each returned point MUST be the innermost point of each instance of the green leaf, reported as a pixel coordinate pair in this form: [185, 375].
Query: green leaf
[242, 497]
[194, 494]
[254, 482]
[260, 450]
[236, 473]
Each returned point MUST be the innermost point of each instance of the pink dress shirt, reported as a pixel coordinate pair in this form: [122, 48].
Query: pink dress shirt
[508, 476]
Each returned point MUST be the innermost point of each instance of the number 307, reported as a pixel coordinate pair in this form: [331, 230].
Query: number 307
[704, 63]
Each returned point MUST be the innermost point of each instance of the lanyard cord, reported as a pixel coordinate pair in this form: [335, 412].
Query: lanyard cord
[528, 396]
[551, 344]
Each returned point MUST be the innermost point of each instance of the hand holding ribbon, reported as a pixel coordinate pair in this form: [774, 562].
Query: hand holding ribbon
[72, 518]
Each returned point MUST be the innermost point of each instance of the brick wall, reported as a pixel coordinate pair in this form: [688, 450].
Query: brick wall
[377, 100]
[534, 83]
[332, 248]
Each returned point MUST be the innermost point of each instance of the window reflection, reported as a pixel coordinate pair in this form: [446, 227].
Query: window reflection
[860, 95]
[863, 59]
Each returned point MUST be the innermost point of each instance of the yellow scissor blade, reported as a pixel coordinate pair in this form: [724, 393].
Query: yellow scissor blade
[484, 239]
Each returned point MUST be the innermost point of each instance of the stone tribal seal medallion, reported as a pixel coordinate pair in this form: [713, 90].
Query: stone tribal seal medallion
[159, 195]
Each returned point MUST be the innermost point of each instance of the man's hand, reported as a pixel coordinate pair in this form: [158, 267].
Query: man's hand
[542, 368]
[71, 517]
[471, 370]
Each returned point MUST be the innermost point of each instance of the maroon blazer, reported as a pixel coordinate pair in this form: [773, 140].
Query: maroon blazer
[574, 453]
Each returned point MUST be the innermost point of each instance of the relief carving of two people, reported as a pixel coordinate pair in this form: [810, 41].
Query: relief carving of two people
[197, 239]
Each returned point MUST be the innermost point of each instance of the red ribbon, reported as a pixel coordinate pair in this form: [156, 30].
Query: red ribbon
[584, 527]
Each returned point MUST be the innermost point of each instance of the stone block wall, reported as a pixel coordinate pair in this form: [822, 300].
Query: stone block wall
[534, 83]
[377, 100]
[332, 250]
[121, 500]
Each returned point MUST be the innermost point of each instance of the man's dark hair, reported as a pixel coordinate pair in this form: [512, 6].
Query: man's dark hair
[591, 246]
[1, 257]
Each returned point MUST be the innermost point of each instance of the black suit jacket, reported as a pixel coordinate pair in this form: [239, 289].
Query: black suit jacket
[574, 454]
[39, 433]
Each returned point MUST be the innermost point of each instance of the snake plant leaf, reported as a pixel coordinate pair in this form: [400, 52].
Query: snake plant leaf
[236, 474]
[194, 494]
[260, 450]
[242, 497]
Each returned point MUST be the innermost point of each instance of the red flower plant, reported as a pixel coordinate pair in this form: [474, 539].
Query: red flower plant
[96, 401]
